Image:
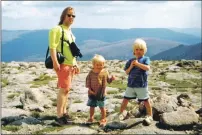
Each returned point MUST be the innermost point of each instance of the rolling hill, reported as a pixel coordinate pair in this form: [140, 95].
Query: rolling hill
[32, 45]
[192, 52]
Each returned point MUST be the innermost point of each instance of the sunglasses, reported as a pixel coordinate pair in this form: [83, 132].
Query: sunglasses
[71, 15]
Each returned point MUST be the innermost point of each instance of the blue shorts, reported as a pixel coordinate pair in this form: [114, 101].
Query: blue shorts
[95, 103]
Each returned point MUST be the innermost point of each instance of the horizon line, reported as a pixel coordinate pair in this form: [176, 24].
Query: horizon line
[109, 28]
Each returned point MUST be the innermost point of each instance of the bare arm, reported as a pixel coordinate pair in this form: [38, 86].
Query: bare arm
[56, 65]
[110, 79]
[129, 69]
[140, 65]
[143, 66]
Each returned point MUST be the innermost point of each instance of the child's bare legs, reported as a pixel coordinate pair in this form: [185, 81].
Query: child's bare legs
[123, 105]
[103, 120]
[148, 107]
[103, 113]
[148, 118]
[92, 110]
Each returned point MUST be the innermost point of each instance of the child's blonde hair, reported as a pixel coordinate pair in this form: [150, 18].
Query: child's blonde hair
[140, 44]
[98, 58]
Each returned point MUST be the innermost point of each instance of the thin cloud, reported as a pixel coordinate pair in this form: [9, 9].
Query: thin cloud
[102, 14]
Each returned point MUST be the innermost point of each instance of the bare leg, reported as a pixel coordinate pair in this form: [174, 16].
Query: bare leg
[123, 105]
[92, 110]
[148, 107]
[61, 99]
[103, 113]
[66, 101]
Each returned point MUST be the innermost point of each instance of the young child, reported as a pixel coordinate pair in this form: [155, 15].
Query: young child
[137, 86]
[96, 82]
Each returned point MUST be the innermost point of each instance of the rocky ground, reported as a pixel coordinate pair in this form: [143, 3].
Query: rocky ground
[29, 100]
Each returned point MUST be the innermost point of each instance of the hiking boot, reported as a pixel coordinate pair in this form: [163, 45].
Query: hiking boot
[61, 121]
[67, 118]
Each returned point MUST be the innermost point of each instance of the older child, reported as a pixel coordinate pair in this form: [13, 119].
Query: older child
[137, 86]
[96, 82]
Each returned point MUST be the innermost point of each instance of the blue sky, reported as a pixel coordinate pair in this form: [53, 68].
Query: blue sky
[32, 15]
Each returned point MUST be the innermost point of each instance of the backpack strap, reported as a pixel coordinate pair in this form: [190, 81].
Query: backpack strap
[62, 38]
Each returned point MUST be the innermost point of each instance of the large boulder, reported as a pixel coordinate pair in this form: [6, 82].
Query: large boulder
[182, 118]
[163, 104]
[34, 99]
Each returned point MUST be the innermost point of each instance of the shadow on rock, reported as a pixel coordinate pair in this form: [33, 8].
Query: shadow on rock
[19, 120]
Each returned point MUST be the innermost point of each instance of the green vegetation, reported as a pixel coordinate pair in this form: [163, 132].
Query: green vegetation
[5, 82]
[35, 114]
[188, 83]
[118, 96]
[11, 128]
[54, 101]
[112, 92]
[11, 96]
[79, 114]
[195, 91]
[97, 116]
[51, 129]
[42, 80]
[118, 84]
[78, 101]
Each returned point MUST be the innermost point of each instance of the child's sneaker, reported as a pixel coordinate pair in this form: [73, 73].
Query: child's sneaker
[148, 119]
[121, 116]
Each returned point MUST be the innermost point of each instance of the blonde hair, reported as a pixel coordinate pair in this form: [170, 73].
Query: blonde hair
[98, 58]
[140, 44]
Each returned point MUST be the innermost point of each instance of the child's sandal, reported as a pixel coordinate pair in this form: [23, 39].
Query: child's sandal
[90, 121]
[103, 122]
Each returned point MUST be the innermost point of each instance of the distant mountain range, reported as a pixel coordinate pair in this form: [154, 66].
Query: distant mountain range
[123, 49]
[181, 52]
[192, 31]
[112, 43]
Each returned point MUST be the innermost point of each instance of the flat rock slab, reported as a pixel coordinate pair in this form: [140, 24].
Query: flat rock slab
[76, 130]
[6, 112]
[126, 124]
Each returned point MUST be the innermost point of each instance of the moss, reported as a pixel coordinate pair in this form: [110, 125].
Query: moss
[54, 101]
[195, 91]
[118, 84]
[11, 96]
[118, 96]
[78, 101]
[79, 114]
[5, 82]
[11, 128]
[117, 109]
[112, 92]
[97, 116]
[34, 86]
[42, 80]
[35, 114]
[51, 129]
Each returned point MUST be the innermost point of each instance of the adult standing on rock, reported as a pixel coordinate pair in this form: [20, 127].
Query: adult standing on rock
[69, 67]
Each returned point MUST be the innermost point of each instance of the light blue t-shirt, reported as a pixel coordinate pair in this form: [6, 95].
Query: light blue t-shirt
[137, 77]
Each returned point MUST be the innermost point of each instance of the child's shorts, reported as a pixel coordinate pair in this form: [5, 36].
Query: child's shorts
[65, 75]
[140, 93]
[95, 103]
